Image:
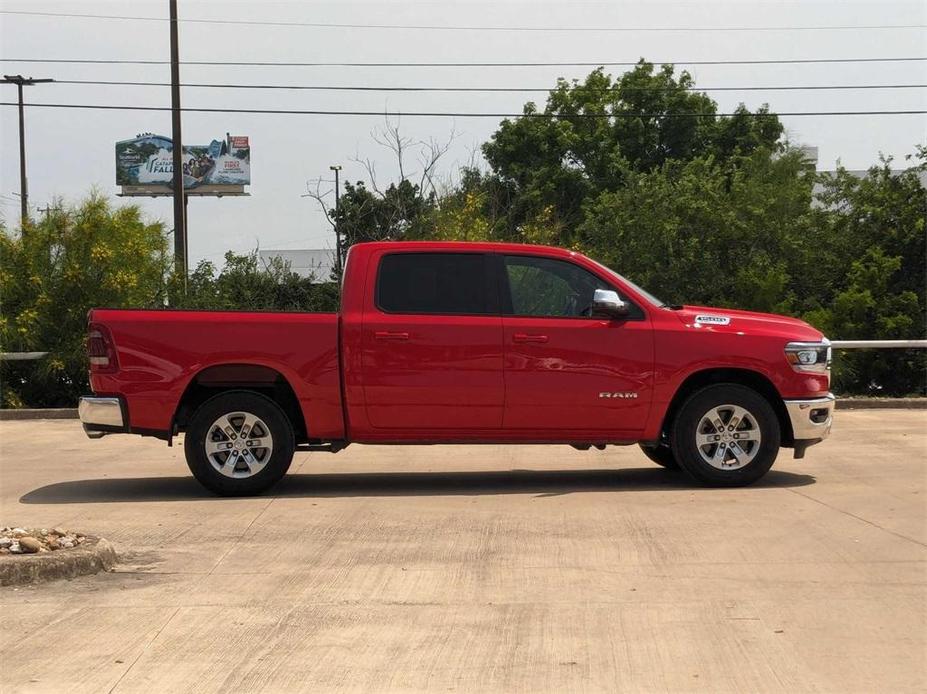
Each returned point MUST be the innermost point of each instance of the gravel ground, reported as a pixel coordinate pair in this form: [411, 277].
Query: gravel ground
[37, 540]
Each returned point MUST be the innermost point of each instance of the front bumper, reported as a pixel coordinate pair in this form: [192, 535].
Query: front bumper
[101, 415]
[811, 420]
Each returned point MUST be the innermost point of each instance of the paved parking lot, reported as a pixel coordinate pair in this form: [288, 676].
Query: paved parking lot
[476, 569]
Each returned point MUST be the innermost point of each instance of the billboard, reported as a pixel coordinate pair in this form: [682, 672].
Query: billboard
[144, 165]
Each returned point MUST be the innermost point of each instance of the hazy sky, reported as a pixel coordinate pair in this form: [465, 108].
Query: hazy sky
[70, 151]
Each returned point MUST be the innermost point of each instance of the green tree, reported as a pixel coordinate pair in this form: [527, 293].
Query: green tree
[595, 135]
[707, 231]
[78, 257]
[245, 284]
[402, 210]
[870, 258]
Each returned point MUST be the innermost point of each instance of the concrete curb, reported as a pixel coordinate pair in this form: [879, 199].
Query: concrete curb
[45, 413]
[92, 556]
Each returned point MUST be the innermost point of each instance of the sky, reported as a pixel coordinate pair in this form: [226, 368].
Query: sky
[71, 151]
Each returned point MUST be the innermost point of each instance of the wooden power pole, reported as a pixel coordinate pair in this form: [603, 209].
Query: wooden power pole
[21, 82]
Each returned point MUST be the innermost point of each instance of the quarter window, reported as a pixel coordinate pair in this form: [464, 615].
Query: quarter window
[440, 283]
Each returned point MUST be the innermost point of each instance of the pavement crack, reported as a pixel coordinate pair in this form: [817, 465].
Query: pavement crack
[240, 537]
[144, 650]
[859, 518]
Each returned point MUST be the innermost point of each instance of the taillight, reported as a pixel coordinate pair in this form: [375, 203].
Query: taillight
[100, 350]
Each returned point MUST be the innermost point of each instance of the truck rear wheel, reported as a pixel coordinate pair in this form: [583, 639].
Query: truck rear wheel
[726, 435]
[239, 443]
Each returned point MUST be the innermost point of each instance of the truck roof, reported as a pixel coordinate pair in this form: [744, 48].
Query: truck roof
[465, 245]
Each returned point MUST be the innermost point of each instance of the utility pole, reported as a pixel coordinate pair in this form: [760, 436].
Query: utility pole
[337, 168]
[48, 209]
[21, 82]
[180, 217]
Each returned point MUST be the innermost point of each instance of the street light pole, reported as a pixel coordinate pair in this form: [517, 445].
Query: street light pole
[21, 82]
[337, 168]
[180, 221]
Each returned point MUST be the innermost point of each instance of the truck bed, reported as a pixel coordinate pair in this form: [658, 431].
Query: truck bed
[161, 351]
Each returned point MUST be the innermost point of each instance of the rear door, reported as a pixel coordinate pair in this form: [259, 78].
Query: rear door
[432, 344]
[570, 374]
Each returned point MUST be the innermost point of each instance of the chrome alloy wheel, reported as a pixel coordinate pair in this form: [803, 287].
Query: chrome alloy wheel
[239, 444]
[728, 437]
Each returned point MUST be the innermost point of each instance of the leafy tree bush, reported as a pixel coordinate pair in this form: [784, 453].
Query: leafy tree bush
[871, 256]
[50, 275]
[244, 285]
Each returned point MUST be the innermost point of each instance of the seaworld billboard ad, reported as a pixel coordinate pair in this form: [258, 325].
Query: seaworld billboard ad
[146, 162]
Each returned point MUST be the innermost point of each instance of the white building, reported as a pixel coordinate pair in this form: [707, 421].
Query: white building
[316, 263]
[811, 154]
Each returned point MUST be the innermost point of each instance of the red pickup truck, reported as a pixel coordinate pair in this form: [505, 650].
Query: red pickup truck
[463, 343]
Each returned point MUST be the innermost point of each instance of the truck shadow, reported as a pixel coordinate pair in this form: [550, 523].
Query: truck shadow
[540, 482]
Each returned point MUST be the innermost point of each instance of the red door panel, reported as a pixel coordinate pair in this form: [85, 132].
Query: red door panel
[577, 375]
[433, 372]
[431, 346]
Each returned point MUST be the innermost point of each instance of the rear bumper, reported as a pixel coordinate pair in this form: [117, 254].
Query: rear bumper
[811, 420]
[102, 415]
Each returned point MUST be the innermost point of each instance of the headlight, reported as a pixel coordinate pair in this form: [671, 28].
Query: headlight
[809, 357]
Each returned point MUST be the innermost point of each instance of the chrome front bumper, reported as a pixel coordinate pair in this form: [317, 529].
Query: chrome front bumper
[101, 415]
[811, 420]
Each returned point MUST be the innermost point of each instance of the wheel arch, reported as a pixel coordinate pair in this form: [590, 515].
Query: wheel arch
[219, 378]
[754, 380]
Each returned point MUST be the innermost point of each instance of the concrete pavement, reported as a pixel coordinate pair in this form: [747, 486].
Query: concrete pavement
[475, 569]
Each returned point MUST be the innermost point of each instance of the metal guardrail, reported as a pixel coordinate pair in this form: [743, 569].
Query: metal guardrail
[878, 344]
[21, 356]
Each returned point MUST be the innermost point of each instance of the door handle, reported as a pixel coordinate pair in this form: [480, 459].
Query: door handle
[388, 335]
[524, 337]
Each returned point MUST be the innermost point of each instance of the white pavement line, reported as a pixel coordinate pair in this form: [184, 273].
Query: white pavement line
[144, 649]
[859, 518]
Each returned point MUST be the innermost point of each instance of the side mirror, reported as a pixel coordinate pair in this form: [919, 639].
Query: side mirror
[607, 303]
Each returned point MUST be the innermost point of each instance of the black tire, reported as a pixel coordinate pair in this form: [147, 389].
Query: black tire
[761, 417]
[661, 454]
[279, 452]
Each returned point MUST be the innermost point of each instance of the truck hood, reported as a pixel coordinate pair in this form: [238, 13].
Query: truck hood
[730, 320]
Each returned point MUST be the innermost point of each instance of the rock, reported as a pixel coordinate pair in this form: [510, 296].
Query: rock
[52, 543]
[29, 544]
[65, 543]
[5, 542]
[15, 548]
[18, 532]
[59, 531]
[4, 550]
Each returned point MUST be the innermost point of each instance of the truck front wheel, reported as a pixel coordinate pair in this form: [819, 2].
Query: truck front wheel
[726, 435]
[239, 443]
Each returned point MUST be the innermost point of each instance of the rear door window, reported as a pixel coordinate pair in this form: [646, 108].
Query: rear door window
[435, 283]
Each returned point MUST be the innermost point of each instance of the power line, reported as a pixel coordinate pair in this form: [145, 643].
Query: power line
[352, 88]
[442, 114]
[605, 63]
[439, 27]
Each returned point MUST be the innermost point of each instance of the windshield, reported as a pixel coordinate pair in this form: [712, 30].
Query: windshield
[643, 292]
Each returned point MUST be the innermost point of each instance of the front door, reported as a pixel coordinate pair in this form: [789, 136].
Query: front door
[432, 344]
[569, 374]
